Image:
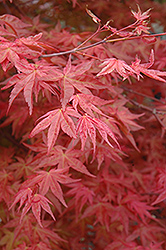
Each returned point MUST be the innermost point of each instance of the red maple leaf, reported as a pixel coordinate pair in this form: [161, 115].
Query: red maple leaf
[34, 201]
[23, 47]
[144, 68]
[120, 66]
[102, 211]
[32, 42]
[13, 24]
[63, 158]
[161, 186]
[21, 168]
[22, 196]
[50, 179]
[104, 152]
[55, 119]
[33, 78]
[36, 24]
[81, 194]
[138, 207]
[146, 233]
[73, 78]
[17, 119]
[139, 15]
[6, 186]
[88, 102]
[89, 124]
[8, 53]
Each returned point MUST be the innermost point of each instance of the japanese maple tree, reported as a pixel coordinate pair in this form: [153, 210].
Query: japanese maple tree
[82, 129]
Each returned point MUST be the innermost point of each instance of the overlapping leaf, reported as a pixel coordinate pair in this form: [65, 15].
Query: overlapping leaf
[34, 201]
[55, 119]
[64, 159]
[119, 66]
[88, 102]
[144, 68]
[51, 180]
[87, 125]
[13, 52]
[33, 78]
[13, 24]
[73, 77]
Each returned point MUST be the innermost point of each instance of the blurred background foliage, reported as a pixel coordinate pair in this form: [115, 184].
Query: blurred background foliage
[72, 13]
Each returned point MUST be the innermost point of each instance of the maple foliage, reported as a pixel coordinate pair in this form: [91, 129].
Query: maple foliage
[82, 129]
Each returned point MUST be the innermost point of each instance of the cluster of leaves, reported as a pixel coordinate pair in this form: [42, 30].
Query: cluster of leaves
[83, 119]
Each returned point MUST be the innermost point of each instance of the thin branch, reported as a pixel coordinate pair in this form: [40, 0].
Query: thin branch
[153, 111]
[158, 119]
[135, 37]
[89, 38]
[101, 42]
[93, 57]
[13, 140]
[75, 49]
[141, 94]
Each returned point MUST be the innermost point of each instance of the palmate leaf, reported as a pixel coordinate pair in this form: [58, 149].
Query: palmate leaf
[81, 195]
[88, 102]
[146, 233]
[102, 211]
[87, 125]
[139, 208]
[161, 186]
[55, 119]
[34, 77]
[144, 69]
[51, 180]
[120, 66]
[63, 158]
[13, 52]
[73, 78]
[34, 201]
[22, 196]
[14, 24]
[104, 152]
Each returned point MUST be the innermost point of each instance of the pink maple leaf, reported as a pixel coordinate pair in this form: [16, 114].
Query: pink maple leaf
[144, 68]
[161, 185]
[82, 195]
[71, 78]
[139, 15]
[22, 196]
[87, 125]
[64, 159]
[120, 66]
[33, 78]
[51, 180]
[55, 119]
[88, 102]
[13, 24]
[36, 202]
[13, 52]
